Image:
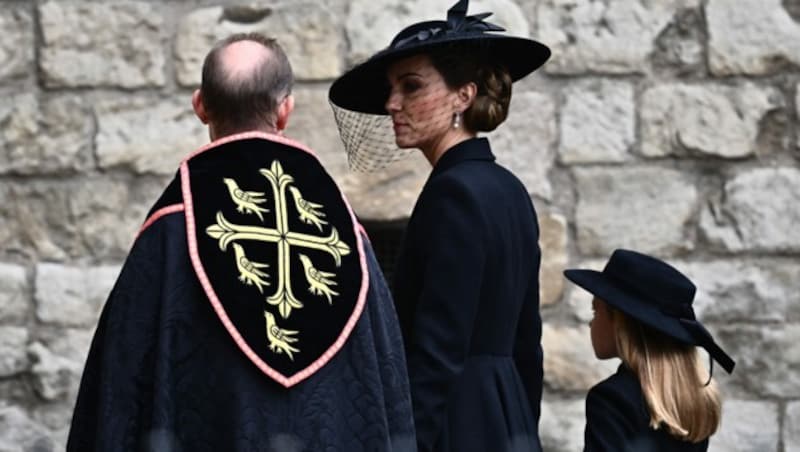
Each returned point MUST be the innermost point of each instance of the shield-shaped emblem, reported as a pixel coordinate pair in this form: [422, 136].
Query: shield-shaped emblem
[277, 250]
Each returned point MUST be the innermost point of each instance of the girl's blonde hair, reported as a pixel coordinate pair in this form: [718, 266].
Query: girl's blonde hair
[672, 378]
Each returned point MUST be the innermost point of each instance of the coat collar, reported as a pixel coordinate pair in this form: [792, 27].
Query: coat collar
[471, 149]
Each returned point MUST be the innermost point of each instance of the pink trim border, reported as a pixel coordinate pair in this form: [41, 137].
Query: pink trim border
[214, 299]
[173, 208]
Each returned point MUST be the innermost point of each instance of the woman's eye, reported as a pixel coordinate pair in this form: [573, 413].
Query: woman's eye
[410, 87]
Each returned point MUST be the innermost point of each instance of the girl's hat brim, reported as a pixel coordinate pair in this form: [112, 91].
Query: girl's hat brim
[364, 88]
[598, 284]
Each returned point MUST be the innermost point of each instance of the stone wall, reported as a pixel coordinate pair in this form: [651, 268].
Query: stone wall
[667, 126]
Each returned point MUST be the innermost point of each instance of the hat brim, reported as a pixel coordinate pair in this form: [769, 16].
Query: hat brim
[364, 88]
[605, 289]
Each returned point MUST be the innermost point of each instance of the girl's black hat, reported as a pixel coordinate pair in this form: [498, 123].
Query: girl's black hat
[364, 88]
[654, 293]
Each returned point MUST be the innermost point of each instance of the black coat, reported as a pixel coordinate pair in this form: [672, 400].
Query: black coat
[617, 420]
[467, 294]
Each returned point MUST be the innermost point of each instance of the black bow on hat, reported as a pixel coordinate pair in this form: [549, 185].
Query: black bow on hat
[654, 293]
[364, 89]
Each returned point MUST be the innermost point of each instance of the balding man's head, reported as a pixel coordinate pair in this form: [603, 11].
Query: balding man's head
[245, 78]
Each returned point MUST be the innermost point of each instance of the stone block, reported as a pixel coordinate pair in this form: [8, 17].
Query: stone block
[13, 358]
[745, 290]
[308, 32]
[767, 360]
[525, 142]
[101, 44]
[45, 136]
[757, 211]
[569, 361]
[597, 122]
[58, 363]
[14, 294]
[747, 426]
[642, 208]
[92, 216]
[72, 296]
[604, 37]
[553, 243]
[753, 37]
[146, 135]
[791, 427]
[19, 433]
[562, 424]
[17, 44]
[712, 120]
[371, 24]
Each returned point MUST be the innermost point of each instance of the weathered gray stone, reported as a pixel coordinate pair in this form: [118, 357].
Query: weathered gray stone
[597, 122]
[747, 426]
[751, 37]
[713, 120]
[308, 33]
[553, 242]
[14, 294]
[757, 211]
[101, 44]
[646, 209]
[72, 296]
[18, 433]
[605, 37]
[791, 427]
[45, 136]
[525, 142]
[679, 49]
[89, 216]
[58, 363]
[147, 136]
[16, 47]
[569, 361]
[371, 24]
[13, 358]
[767, 359]
[745, 290]
[312, 124]
[561, 425]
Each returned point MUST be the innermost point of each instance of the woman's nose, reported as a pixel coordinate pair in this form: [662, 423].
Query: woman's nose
[392, 103]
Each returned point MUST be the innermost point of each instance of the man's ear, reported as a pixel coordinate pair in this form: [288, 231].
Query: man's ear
[199, 108]
[284, 111]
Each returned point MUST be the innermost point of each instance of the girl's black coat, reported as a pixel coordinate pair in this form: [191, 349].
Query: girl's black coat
[617, 420]
[467, 294]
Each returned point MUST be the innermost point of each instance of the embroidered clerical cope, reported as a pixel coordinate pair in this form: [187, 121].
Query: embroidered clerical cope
[277, 251]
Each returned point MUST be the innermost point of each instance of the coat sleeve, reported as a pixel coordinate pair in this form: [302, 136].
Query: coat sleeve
[450, 225]
[610, 425]
[528, 355]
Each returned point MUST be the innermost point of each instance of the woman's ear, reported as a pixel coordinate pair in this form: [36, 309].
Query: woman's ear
[466, 95]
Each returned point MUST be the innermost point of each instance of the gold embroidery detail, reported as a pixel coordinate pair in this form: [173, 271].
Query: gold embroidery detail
[246, 201]
[250, 273]
[279, 339]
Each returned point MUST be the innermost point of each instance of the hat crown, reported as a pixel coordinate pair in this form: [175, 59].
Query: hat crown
[652, 281]
[457, 23]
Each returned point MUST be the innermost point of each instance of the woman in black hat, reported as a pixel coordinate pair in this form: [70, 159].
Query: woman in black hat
[660, 398]
[466, 288]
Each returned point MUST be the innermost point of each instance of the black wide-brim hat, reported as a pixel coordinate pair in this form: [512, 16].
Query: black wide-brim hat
[654, 293]
[364, 88]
